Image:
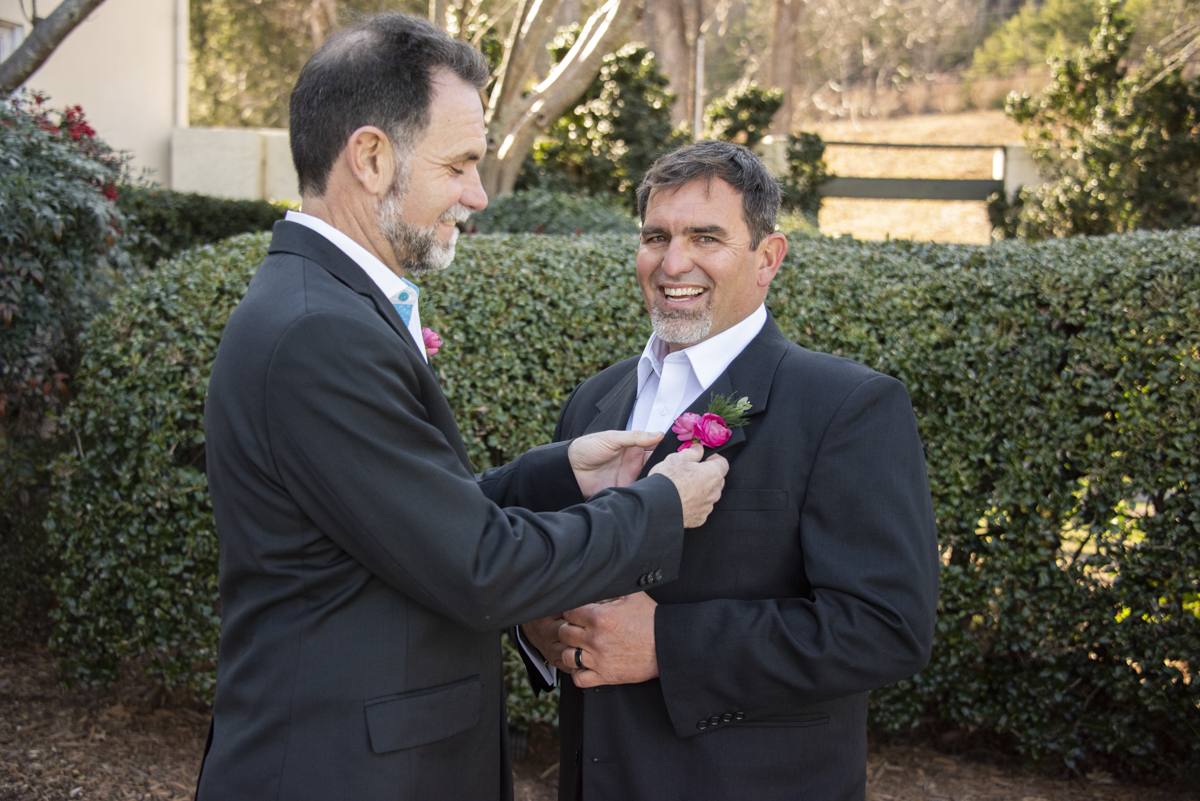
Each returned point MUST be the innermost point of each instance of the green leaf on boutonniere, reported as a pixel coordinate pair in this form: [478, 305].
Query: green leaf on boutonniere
[733, 412]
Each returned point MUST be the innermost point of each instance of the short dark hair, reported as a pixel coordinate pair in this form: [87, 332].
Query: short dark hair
[736, 165]
[378, 71]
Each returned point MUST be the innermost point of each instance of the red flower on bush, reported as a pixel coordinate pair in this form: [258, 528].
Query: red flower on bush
[110, 192]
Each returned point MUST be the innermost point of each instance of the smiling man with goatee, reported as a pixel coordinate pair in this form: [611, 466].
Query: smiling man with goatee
[814, 580]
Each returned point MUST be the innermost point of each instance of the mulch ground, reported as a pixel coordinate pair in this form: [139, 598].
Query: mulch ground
[136, 741]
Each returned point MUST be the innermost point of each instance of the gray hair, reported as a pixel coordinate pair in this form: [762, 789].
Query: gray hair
[736, 165]
[378, 72]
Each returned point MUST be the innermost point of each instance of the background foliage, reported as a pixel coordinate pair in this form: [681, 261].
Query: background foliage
[60, 250]
[70, 231]
[1055, 386]
[536, 211]
[743, 114]
[615, 132]
[1119, 147]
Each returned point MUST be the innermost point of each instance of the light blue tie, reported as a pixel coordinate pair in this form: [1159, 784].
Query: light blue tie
[406, 300]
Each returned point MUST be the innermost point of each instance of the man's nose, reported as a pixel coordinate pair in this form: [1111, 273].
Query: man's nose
[677, 260]
[473, 194]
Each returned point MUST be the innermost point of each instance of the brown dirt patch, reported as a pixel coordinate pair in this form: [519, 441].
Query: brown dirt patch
[135, 741]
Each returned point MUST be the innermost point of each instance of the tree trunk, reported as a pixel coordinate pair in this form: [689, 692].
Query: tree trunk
[666, 26]
[46, 35]
[514, 120]
[781, 70]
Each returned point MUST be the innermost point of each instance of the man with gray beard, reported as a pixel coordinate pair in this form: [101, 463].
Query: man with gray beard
[365, 571]
[815, 578]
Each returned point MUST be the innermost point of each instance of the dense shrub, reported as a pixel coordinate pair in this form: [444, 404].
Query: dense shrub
[618, 127]
[805, 176]
[743, 114]
[1055, 386]
[60, 250]
[1119, 147]
[163, 222]
[536, 211]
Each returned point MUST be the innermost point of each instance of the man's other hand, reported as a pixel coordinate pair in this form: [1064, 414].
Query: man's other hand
[699, 483]
[542, 634]
[616, 638]
[609, 458]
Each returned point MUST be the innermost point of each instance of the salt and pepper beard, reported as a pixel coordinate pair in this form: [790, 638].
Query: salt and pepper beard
[681, 326]
[418, 250]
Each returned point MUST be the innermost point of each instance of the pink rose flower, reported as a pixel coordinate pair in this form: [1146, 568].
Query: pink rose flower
[685, 426]
[712, 431]
[433, 342]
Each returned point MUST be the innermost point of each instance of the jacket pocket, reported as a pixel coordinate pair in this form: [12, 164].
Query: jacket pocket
[797, 722]
[423, 716]
[752, 500]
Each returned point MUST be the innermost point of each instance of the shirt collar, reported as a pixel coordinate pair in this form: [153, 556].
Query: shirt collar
[709, 358]
[390, 284]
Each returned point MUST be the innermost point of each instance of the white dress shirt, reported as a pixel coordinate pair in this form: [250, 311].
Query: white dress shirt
[668, 383]
[390, 284]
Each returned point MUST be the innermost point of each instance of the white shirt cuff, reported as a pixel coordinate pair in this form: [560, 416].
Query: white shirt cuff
[550, 674]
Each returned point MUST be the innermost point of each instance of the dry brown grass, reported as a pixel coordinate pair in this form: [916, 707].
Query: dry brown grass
[929, 220]
[924, 220]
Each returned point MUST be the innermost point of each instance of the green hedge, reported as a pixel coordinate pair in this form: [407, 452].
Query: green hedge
[164, 222]
[536, 211]
[1056, 387]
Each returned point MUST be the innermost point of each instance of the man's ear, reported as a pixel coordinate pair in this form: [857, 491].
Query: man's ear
[770, 256]
[371, 159]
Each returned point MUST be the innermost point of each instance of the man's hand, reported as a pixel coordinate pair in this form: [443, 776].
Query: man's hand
[699, 483]
[617, 638]
[542, 634]
[609, 458]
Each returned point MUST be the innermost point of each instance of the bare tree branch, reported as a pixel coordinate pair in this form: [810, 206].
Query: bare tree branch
[46, 35]
[513, 126]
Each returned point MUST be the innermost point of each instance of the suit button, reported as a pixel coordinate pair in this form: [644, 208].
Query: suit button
[641, 581]
[714, 720]
[726, 717]
[658, 575]
[739, 715]
[702, 725]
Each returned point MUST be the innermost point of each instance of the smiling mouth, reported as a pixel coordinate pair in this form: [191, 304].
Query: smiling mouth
[682, 294]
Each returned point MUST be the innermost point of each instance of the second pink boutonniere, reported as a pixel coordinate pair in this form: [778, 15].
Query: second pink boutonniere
[432, 340]
[713, 428]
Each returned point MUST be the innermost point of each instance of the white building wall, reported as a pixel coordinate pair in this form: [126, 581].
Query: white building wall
[119, 64]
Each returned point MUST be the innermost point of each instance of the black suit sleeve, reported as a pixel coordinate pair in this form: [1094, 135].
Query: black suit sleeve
[354, 446]
[870, 555]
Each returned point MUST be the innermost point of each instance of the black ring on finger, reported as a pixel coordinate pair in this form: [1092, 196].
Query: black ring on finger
[579, 658]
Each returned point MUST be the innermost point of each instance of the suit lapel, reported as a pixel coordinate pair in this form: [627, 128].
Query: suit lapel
[613, 410]
[290, 237]
[749, 375]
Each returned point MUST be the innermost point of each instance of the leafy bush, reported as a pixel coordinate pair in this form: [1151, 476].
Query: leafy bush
[1120, 149]
[743, 114]
[1055, 386]
[536, 211]
[617, 129]
[60, 250]
[164, 222]
[805, 176]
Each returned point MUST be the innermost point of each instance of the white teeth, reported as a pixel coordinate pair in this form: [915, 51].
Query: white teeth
[682, 292]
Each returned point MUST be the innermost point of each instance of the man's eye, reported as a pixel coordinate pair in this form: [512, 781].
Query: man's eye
[457, 171]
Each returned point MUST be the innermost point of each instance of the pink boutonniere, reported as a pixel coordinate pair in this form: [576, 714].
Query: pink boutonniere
[432, 340]
[713, 428]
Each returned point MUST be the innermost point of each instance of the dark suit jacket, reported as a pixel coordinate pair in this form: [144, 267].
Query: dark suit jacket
[813, 581]
[365, 572]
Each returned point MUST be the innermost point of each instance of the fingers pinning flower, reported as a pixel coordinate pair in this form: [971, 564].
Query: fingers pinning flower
[432, 340]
